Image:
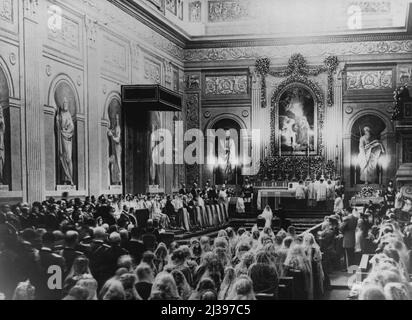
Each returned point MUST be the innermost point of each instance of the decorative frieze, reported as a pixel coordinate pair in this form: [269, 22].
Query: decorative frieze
[195, 11]
[192, 82]
[226, 85]
[152, 71]
[372, 7]
[309, 50]
[91, 31]
[6, 10]
[31, 9]
[369, 80]
[171, 6]
[228, 11]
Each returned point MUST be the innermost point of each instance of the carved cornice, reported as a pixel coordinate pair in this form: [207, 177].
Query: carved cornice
[204, 42]
[314, 49]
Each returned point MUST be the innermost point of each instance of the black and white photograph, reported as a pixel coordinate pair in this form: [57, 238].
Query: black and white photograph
[242, 152]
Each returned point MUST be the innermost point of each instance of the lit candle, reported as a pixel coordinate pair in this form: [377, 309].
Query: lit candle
[279, 142]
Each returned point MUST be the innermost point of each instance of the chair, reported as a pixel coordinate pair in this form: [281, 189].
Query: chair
[224, 211]
[232, 207]
[286, 288]
[199, 216]
[219, 214]
[261, 222]
[265, 296]
[210, 215]
[276, 223]
[299, 284]
[149, 241]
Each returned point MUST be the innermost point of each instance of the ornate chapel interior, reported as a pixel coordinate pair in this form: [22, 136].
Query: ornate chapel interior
[321, 94]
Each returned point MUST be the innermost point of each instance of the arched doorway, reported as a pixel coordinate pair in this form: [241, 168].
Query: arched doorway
[227, 168]
[368, 150]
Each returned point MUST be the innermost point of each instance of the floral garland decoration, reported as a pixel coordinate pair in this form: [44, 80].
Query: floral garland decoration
[399, 95]
[262, 67]
[297, 65]
[331, 63]
[296, 168]
[367, 192]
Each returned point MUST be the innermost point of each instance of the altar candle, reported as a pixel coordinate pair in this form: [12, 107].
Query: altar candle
[279, 142]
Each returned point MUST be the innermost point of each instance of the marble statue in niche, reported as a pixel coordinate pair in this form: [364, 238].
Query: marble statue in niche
[115, 147]
[65, 132]
[154, 174]
[370, 150]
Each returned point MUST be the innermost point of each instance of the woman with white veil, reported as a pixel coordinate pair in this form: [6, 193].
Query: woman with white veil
[267, 214]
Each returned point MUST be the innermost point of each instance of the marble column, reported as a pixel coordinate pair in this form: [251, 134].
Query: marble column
[32, 43]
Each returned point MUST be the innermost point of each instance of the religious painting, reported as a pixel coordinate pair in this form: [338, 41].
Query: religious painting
[114, 135]
[66, 104]
[368, 151]
[297, 121]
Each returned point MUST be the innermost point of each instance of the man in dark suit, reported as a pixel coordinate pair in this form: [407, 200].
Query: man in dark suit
[114, 253]
[69, 253]
[135, 246]
[348, 228]
[48, 258]
[98, 255]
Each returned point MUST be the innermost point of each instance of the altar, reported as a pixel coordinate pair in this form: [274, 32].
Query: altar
[277, 193]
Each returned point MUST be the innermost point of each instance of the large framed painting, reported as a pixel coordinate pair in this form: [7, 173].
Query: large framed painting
[296, 121]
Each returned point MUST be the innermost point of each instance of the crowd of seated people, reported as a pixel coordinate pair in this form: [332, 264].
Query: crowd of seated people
[99, 246]
[381, 231]
[101, 254]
